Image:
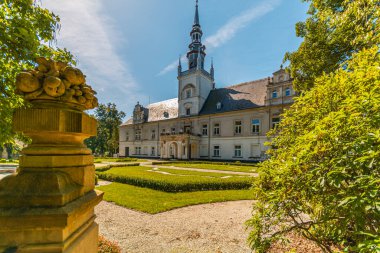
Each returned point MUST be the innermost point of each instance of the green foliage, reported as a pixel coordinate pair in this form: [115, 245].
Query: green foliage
[323, 178]
[26, 32]
[106, 246]
[107, 139]
[96, 179]
[151, 201]
[3, 160]
[175, 181]
[334, 30]
[213, 166]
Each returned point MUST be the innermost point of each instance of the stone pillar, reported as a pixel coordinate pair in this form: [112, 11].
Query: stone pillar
[48, 205]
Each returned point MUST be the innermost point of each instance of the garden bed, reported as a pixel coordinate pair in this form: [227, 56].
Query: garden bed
[175, 180]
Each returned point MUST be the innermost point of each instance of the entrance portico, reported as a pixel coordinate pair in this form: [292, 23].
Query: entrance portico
[179, 146]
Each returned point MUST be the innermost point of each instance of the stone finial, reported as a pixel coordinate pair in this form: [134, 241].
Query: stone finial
[56, 81]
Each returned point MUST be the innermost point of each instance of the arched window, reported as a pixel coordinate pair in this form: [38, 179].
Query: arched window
[188, 93]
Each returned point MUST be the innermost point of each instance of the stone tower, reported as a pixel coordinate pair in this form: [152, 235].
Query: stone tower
[194, 84]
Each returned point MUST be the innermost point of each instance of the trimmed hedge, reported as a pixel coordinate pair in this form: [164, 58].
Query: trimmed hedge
[205, 162]
[109, 166]
[142, 177]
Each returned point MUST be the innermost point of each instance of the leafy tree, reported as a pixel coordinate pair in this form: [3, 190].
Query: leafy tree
[26, 32]
[334, 31]
[107, 140]
[323, 178]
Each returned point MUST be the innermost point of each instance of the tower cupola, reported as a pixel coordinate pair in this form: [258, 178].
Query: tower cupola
[196, 48]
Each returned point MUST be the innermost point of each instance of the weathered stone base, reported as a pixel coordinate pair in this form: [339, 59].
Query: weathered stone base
[70, 228]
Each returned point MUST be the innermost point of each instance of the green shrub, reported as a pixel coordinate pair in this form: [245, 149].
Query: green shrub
[323, 177]
[103, 168]
[141, 176]
[3, 160]
[127, 159]
[106, 246]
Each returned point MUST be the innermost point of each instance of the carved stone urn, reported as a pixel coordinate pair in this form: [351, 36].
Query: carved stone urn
[48, 205]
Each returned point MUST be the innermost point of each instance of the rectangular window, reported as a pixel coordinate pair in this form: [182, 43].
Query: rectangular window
[237, 150]
[188, 111]
[275, 122]
[238, 127]
[204, 129]
[138, 134]
[127, 136]
[216, 129]
[274, 94]
[138, 150]
[173, 130]
[153, 151]
[217, 151]
[153, 134]
[287, 92]
[163, 130]
[256, 126]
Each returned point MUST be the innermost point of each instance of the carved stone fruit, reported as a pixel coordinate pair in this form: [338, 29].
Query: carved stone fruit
[78, 93]
[74, 75]
[34, 94]
[66, 83]
[26, 82]
[53, 86]
[61, 66]
[81, 100]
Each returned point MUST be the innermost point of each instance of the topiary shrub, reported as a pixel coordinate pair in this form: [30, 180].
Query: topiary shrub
[107, 246]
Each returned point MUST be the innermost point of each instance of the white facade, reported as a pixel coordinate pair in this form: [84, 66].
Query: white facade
[228, 123]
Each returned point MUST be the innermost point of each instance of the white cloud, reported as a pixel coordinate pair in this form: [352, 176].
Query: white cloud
[172, 66]
[232, 27]
[91, 36]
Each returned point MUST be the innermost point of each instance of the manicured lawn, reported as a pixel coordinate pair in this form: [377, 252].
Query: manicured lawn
[191, 173]
[178, 181]
[210, 166]
[152, 201]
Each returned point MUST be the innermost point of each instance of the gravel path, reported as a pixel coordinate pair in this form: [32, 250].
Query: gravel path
[216, 227]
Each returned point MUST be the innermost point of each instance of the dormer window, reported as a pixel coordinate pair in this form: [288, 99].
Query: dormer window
[218, 106]
[287, 92]
[274, 94]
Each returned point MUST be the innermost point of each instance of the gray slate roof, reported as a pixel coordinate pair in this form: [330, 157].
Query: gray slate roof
[238, 97]
[162, 110]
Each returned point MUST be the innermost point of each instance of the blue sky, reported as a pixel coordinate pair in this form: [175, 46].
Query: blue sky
[129, 49]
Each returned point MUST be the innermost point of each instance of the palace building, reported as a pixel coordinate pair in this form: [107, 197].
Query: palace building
[206, 122]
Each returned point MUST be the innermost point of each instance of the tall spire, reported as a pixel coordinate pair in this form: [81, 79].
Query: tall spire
[196, 48]
[196, 17]
[179, 66]
[212, 68]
